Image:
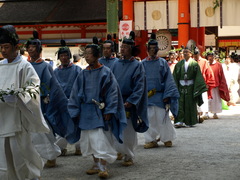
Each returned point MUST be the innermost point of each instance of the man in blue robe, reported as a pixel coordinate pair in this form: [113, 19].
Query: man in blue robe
[108, 49]
[53, 105]
[162, 95]
[130, 75]
[97, 107]
[66, 74]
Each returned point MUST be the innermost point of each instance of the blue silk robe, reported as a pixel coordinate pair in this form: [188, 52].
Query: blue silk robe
[131, 78]
[55, 111]
[159, 77]
[107, 61]
[66, 77]
[98, 84]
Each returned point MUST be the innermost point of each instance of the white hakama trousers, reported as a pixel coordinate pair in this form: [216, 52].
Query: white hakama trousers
[45, 145]
[129, 141]
[99, 143]
[19, 159]
[158, 126]
[62, 143]
[204, 107]
[215, 104]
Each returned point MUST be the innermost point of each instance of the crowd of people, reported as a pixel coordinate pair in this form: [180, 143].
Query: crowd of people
[101, 108]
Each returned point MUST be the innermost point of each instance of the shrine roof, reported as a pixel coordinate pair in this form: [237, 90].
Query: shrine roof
[52, 11]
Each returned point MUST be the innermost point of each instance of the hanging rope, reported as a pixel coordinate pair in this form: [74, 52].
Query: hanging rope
[167, 7]
[221, 14]
[198, 14]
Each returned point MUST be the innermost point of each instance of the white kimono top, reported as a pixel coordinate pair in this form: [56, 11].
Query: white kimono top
[26, 112]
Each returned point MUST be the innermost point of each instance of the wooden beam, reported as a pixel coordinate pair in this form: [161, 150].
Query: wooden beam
[61, 25]
[65, 31]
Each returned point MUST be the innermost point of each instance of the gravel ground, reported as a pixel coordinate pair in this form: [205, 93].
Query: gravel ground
[208, 151]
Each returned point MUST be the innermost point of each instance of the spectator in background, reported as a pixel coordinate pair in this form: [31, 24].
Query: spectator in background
[233, 84]
[77, 60]
[180, 53]
[50, 61]
[24, 53]
[172, 59]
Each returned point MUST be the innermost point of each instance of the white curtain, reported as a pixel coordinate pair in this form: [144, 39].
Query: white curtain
[139, 15]
[211, 17]
[173, 14]
[156, 15]
[231, 13]
[208, 16]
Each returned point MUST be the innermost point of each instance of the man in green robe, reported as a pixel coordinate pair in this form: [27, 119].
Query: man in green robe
[191, 85]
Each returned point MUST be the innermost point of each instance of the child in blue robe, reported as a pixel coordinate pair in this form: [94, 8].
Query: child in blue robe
[66, 74]
[163, 93]
[130, 75]
[108, 49]
[97, 107]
